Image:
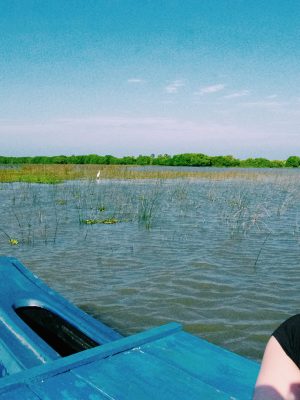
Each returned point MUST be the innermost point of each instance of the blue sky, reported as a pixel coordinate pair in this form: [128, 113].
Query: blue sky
[127, 77]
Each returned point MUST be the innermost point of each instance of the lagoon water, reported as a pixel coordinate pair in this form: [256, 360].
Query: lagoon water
[221, 257]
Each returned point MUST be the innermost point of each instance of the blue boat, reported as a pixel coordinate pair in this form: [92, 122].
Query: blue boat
[51, 350]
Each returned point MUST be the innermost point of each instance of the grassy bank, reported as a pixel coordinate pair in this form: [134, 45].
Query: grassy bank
[56, 173]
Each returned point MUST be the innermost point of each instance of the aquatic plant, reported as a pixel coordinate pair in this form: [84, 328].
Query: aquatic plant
[147, 205]
[48, 214]
[61, 202]
[13, 241]
[261, 248]
[107, 221]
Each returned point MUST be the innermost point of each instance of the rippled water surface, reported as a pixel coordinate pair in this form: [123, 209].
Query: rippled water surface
[221, 257]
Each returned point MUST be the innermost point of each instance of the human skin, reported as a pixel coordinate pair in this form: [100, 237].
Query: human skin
[279, 376]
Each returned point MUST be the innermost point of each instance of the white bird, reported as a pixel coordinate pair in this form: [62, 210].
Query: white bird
[98, 174]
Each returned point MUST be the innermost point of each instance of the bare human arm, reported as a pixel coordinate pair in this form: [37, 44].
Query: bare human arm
[279, 376]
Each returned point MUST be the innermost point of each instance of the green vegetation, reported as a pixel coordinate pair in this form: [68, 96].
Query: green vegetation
[52, 170]
[57, 173]
[293, 162]
[186, 159]
[107, 221]
[48, 174]
[13, 241]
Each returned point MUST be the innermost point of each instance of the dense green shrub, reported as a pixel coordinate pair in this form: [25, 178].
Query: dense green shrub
[184, 159]
[293, 161]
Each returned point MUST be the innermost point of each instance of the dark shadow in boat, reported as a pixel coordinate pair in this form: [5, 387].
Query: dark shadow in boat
[58, 333]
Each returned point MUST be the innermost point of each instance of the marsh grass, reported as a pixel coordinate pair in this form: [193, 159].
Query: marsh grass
[221, 203]
[56, 173]
[48, 174]
[146, 209]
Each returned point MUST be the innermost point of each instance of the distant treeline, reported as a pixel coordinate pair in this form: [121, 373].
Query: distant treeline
[186, 159]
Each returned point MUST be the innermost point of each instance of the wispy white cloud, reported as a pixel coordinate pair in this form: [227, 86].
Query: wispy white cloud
[265, 104]
[272, 96]
[116, 121]
[234, 95]
[95, 124]
[135, 80]
[211, 89]
[130, 134]
[174, 86]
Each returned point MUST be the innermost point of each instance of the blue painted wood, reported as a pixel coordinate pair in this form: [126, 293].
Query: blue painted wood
[20, 347]
[131, 374]
[67, 386]
[19, 392]
[145, 377]
[133, 368]
[89, 356]
[161, 363]
[218, 367]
